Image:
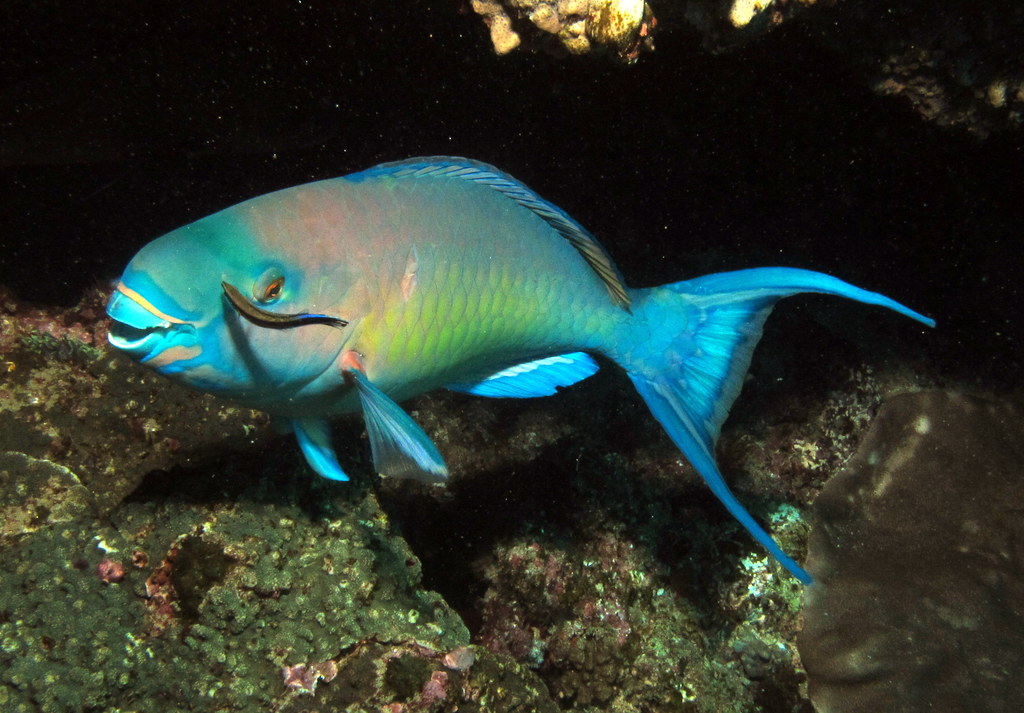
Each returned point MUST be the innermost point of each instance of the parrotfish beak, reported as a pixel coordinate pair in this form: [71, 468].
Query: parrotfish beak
[139, 328]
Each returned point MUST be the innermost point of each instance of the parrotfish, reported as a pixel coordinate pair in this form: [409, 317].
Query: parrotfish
[355, 293]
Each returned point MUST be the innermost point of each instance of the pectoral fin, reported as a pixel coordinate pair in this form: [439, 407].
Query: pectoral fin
[399, 446]
[315, 441]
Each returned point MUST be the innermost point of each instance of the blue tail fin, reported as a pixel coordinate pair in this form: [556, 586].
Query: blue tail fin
[691, 348]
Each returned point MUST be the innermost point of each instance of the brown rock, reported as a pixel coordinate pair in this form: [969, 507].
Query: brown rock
[919, 603]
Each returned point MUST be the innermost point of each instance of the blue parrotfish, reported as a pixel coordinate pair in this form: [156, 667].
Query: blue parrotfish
[355, 293]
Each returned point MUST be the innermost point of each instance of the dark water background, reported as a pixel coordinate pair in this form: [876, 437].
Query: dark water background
[120, 121]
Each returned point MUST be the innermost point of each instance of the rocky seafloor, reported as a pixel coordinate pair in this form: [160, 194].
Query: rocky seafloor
[167, 551]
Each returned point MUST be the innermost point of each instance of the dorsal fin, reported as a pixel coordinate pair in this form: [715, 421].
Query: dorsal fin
[469, 170]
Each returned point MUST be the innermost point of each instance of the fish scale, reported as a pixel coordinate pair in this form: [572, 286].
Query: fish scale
[354, 293]
[510, 310]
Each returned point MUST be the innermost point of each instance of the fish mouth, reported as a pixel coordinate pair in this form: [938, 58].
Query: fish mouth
[138, 343]
[138, 327]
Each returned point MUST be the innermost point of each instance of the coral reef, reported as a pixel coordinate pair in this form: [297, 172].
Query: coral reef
[599, 560]
[592, 567]
[166, 551]
[920, 593]
[607, 631]
[624, 27]
[251, 604]
[724, 24]
[957, 64]
[208, 602]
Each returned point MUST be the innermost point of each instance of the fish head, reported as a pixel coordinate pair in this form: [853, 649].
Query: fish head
[189, 306]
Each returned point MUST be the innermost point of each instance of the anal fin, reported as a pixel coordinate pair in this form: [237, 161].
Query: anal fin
[540, 377]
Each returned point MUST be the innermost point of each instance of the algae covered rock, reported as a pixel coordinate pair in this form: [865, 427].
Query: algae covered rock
[67, 399]
[257, 600]
[66, 630]
[34, 492]
[919, 603]
[624, 27]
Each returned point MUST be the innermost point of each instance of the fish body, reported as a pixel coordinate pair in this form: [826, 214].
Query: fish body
[355, 293]
[438, 280]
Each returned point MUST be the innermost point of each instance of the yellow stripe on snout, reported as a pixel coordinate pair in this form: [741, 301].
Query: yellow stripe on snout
[173, 354]
[145, 304]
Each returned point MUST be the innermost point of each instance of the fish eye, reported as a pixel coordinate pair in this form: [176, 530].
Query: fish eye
[268, 288]
[273, 290]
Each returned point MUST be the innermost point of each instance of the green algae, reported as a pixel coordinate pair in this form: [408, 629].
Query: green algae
[247, 588]
[217, 600]
[63, 348]
[64, 632]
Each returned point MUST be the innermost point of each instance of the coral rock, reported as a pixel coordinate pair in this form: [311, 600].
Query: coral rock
[622, 26]
[919, 604]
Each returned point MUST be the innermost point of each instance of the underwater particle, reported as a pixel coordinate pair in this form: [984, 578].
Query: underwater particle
[110, 571]
[919, 599]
